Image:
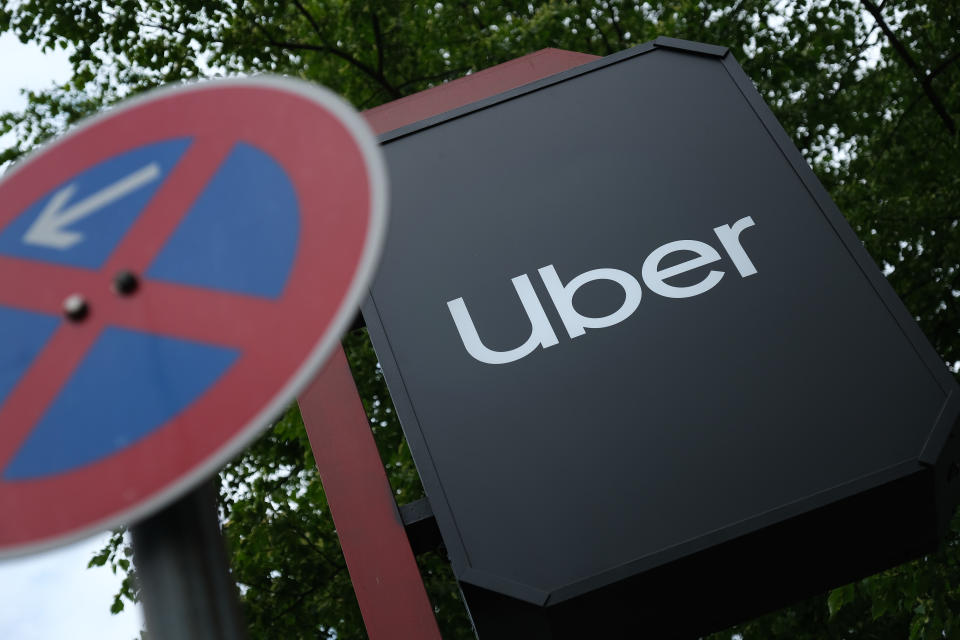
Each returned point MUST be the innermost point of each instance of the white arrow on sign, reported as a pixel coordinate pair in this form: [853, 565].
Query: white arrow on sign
[48, 229]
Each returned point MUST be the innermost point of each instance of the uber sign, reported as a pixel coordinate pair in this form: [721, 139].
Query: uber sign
[562, 295]
[648, 373]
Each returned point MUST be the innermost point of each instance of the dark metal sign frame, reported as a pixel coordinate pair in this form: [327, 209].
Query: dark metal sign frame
[853, 505]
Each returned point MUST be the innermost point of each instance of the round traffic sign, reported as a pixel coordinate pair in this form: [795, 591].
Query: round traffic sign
[174, 271]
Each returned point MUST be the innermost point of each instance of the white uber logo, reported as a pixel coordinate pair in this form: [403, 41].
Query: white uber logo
[576, 324]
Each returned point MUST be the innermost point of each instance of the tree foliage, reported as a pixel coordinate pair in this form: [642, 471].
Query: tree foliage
[869, 91]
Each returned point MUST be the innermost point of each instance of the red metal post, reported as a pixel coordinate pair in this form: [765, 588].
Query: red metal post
[384, 572]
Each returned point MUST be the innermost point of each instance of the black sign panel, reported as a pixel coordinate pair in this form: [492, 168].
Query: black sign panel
[623, 323]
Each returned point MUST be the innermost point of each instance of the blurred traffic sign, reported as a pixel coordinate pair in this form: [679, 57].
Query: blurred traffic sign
[158, 266]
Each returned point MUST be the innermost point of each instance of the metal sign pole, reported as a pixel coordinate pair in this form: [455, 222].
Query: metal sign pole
[181, 562]
[385, 577]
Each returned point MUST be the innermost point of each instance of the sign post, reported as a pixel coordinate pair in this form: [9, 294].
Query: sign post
[183, 571]
[159, 261]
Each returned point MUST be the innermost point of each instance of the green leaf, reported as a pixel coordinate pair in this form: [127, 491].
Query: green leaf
[117, 605]
[840, 597]
[878, 608]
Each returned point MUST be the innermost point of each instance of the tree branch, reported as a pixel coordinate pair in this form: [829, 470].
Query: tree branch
[378, 39]
[323, 47]
[343, 55]
[309, 17]
[439, 76]
[615, 21]
[923, 78]
[944, 65]
[303, 594]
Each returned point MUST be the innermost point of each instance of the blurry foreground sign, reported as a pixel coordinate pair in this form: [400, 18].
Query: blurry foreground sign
[644, 365]
[156, 268]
